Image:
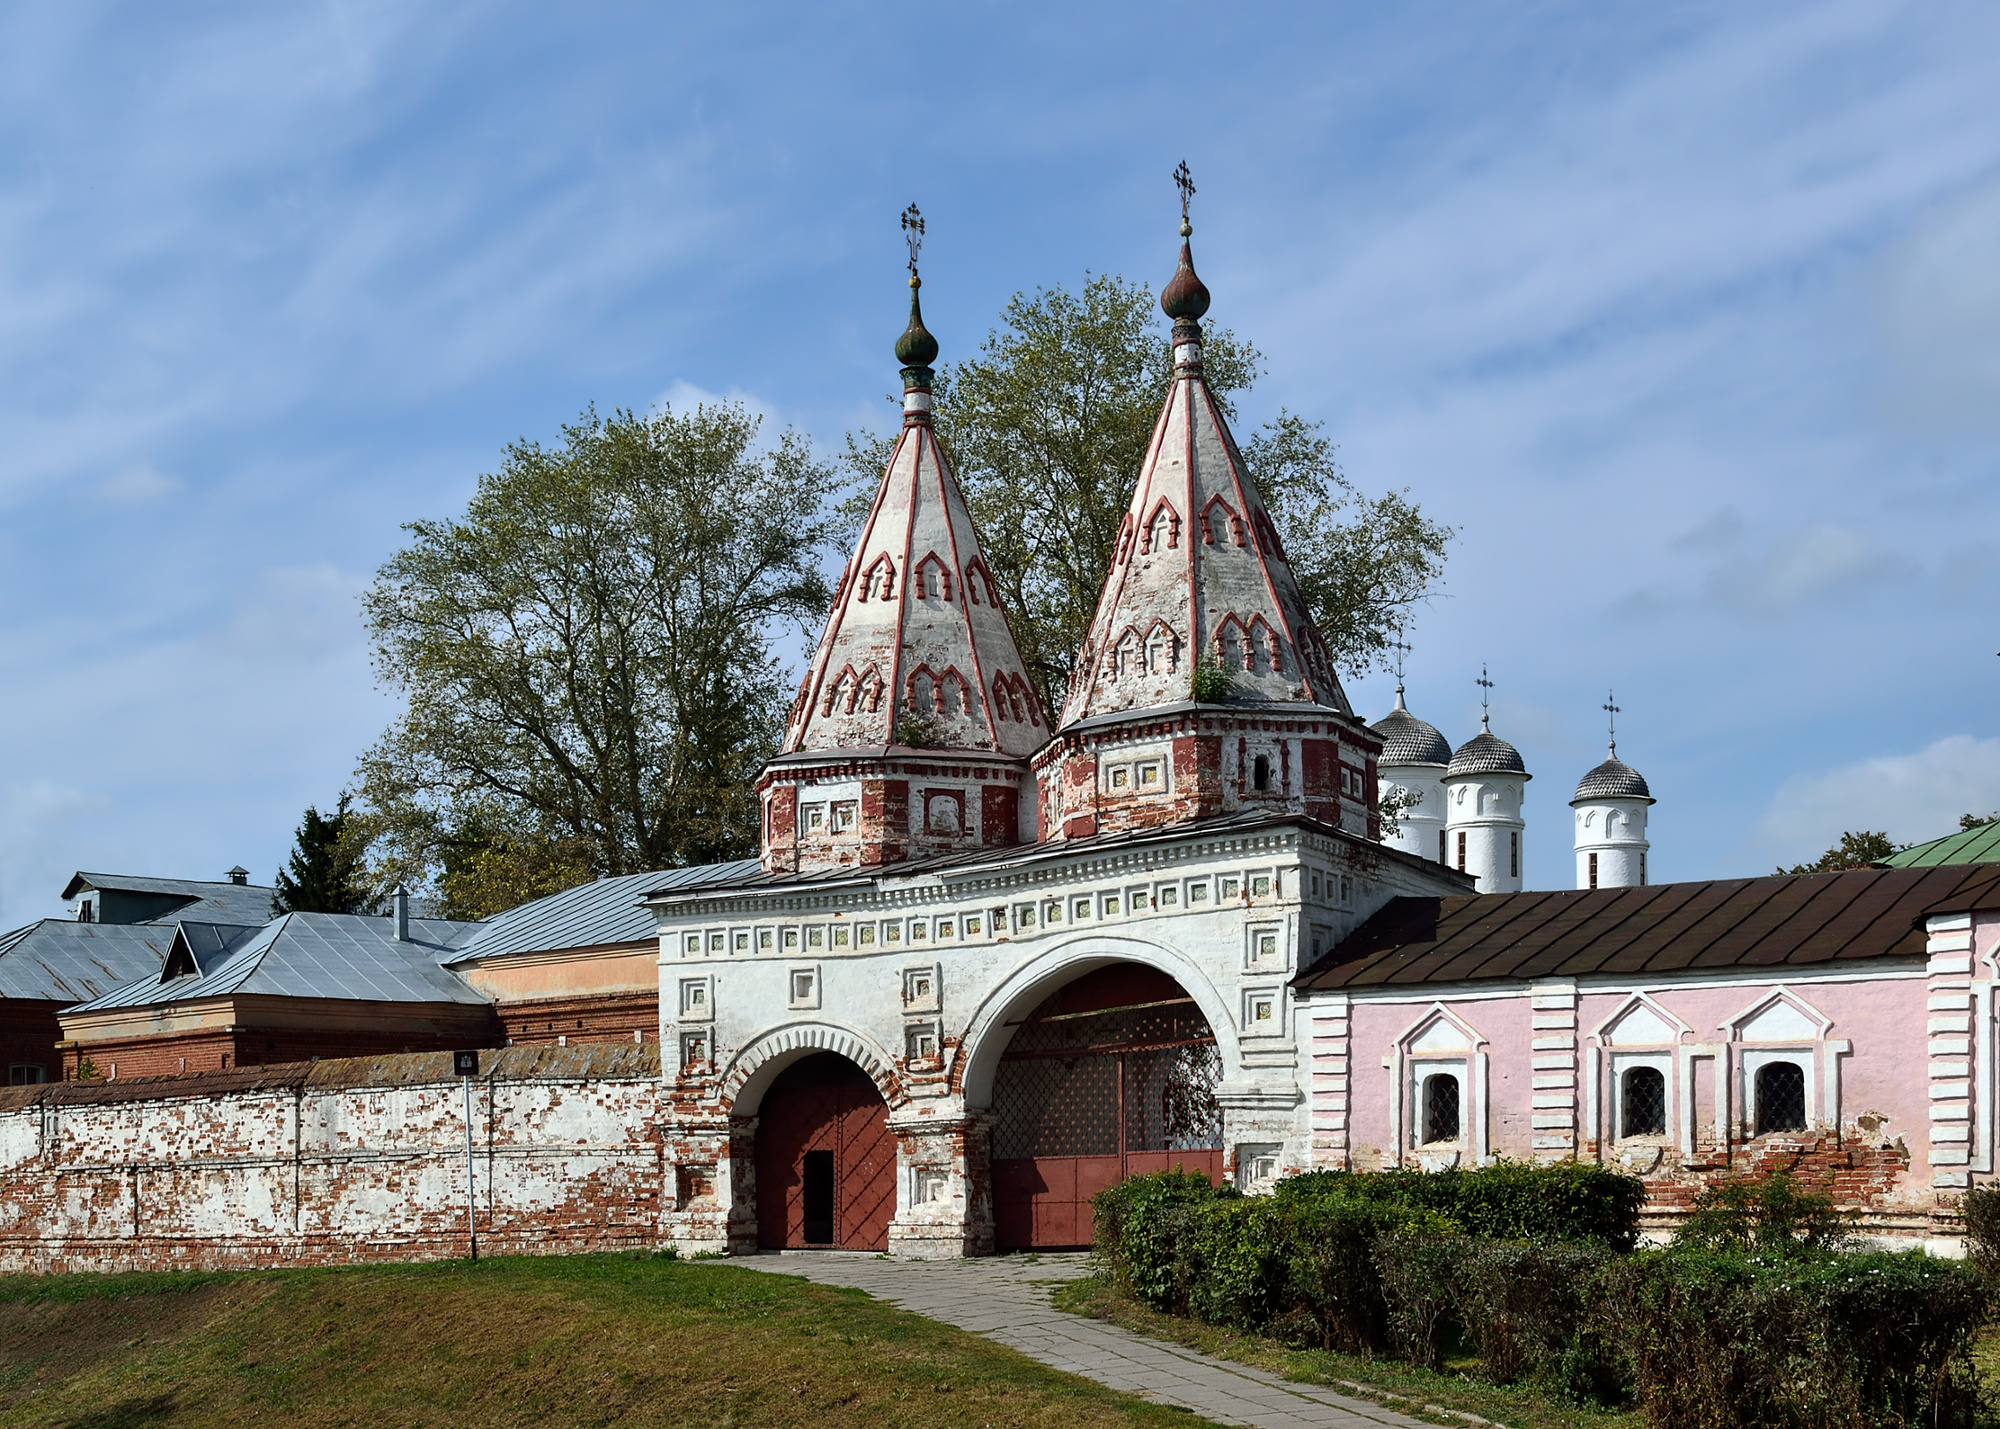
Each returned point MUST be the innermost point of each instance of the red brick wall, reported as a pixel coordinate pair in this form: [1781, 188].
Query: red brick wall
[336, 1162]
[28, 1036]
[613, 1017]
[225, 1050]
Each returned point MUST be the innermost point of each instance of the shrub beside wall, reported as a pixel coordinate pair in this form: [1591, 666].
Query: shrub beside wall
[1757, 1318]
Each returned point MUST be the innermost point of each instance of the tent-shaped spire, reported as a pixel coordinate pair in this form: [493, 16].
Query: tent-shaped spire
[1198, 576]
[916, 650]
[1203, 687]
[912, 727]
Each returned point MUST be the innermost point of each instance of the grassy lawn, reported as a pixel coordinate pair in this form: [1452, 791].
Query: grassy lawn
[1517, 1407]
[582, 1340]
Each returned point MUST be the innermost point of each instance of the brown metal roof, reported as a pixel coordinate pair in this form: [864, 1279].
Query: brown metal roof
[1784, 920]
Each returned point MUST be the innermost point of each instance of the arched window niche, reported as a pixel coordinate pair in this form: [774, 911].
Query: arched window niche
[1439, 1067]
[1638, 1080]
[1786, 1069]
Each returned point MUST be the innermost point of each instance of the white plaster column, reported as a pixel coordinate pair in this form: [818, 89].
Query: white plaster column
[1330, 1054]
[1552, 1115]
[1950, 1000]
[944, 1186]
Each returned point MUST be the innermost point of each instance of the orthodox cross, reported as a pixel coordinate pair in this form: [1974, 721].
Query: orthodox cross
[913, 234]
[1402, 649]
[1610, 707]
[1485, 689]
[1184, 181]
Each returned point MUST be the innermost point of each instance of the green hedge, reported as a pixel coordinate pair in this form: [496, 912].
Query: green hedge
[1750, 1320]
[1717, 1339]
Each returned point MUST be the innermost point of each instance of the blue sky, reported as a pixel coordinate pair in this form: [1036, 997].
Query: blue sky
[1688, 317]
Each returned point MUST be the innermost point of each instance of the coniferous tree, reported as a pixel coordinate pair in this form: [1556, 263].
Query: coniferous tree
[323, 875]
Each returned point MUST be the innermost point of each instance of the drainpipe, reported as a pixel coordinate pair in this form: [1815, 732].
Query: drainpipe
[402, 915]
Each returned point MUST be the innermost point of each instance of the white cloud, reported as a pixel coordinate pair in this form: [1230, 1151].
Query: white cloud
[1913, 797]
[296, 613]
[139, 485]
[1821, 562]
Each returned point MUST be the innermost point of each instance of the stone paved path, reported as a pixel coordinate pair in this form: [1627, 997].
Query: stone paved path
[1001, 1299]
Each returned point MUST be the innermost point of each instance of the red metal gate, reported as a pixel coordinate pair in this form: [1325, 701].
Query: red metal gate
[826, 1162]
[1111, 1077]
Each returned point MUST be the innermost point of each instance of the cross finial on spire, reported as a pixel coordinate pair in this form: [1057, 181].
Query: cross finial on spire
[1610, 707]
[913, 234]
[1485, 689]
[1402, 648]
[1184, 181]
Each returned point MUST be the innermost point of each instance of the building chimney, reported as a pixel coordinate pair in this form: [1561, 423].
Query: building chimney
[402, 915]
[239, 874]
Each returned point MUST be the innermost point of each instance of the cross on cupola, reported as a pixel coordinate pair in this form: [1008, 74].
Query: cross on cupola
[916, 349]
[1485, 690]
[1610, 707]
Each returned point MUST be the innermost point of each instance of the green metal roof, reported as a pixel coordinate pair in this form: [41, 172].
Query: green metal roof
[1980, 845]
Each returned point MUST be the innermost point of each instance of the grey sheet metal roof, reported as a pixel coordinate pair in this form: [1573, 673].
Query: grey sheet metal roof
[590, 915]
[57, 960]
[332, 955]
[217, 902]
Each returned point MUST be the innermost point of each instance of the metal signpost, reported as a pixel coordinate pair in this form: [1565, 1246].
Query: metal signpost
[466, 1065]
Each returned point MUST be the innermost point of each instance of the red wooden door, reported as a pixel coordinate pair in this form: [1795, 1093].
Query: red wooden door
[848, 1125]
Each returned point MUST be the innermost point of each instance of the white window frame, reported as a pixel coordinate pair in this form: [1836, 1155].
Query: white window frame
[697, 999]
[1661, 1061]
[1421, 1070]
[810, 999]
[1752, 1059]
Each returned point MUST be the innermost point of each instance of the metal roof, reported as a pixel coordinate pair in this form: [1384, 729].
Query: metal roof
[1409, 740]
[57, 960]
[1784, 920]
[217, 902]
[1974, 845]
[331, 955]
[1486, 753]
[591, 915]
[758, 881]
[1613, 779]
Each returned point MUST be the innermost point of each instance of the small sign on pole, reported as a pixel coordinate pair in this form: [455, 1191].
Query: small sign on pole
[466, 1066]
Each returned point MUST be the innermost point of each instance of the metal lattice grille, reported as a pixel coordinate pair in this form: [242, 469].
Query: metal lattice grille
[1065, 1077]
[1440, 1107]
[1781, 1097]
[1642, 1095]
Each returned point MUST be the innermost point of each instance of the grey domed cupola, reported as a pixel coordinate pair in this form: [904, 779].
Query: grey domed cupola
[1611, 803]
[1410, 775]
[1409, 740]
[1484, 788]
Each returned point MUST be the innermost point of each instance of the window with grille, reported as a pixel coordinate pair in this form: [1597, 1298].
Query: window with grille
[1781, 1097]
[1642, 1102]
[1461, 850]
[1593, 870]
[1513, 855]
[1440, 1108]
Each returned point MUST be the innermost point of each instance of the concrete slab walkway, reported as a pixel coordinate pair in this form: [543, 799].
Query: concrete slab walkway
[1006, 1298]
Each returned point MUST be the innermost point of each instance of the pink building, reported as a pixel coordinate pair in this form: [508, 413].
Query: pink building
[1838, 1024]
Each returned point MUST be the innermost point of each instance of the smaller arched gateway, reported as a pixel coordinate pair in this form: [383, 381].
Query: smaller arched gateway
[1111, 1076]
[826, 1162]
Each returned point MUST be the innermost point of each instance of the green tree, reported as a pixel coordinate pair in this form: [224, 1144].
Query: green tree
[1048, 426]
[585, 656]
[324, 873]
[1969, 822]
[1855, 850]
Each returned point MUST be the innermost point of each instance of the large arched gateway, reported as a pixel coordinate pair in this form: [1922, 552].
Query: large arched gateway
[1111, 1076]
[826, 1163]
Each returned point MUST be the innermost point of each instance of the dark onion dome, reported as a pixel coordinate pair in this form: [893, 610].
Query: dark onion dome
[1185, 298]
[1408, 740]
[1487, 753]
[1613, 779]
[916, 347]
